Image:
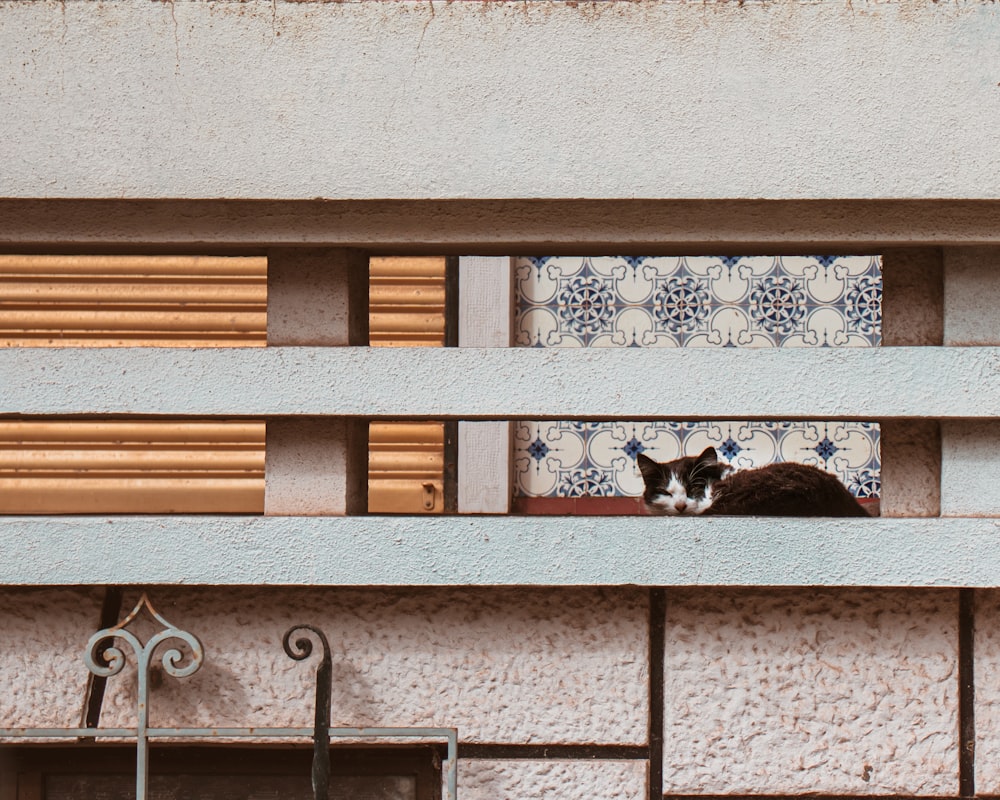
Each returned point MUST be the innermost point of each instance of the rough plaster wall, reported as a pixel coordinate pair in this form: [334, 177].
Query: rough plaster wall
[969, 456]
[503, 382]
[911, 468]
[970, 462]
[306, 467]
[851, 691]
[971, 295]
[506, 666]
[43, 633]
[552, 780]
[459, 227]
[912, 315]
[912, 297]
[307, 297]
[987, 693]
[377, 100]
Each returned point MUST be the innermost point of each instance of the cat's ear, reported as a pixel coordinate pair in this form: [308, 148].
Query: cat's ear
[709, 456]
[650, 469]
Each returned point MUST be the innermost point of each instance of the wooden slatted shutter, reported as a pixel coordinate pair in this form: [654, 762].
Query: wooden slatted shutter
[406, 459]
[117, 466]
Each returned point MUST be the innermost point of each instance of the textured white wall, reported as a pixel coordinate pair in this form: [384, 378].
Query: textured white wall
[513, 99]
[971, 295]
[970, 460]
[308, 296]
[495, 382]
[306, 467]
[852, 692]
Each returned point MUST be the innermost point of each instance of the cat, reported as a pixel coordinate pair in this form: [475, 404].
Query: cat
[704, 485]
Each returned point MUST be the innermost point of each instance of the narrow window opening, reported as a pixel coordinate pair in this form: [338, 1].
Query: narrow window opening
[700, 301]
[408, 307]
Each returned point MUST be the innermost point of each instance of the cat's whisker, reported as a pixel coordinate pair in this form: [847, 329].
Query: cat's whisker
[697, 471]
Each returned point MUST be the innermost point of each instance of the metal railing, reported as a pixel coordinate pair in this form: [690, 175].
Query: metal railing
[105, 658]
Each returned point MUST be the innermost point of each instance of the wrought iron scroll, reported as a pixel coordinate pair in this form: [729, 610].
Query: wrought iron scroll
[104, 658]
[324, 686]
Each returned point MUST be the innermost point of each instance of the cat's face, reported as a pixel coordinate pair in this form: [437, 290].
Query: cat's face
[683, 486]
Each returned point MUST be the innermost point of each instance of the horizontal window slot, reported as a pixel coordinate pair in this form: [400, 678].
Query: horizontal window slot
[125, 467]
[121, 301]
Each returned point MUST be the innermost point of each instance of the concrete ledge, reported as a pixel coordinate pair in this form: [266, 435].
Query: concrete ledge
[489, 551]
[503, 227]
[504, 383]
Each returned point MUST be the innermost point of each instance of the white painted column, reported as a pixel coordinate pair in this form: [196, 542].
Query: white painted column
[318, 297]
[970, 449]
[485, 310]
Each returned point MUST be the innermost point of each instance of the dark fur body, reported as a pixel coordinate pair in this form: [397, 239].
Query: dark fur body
[703, 485]
[784, 490]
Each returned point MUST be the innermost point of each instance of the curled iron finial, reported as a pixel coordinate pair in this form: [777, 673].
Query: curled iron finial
[104, 658]
[303, 646]
[300, 650]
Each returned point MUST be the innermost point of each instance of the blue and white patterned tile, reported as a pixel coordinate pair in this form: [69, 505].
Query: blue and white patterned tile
[702, 301]
[598, 459]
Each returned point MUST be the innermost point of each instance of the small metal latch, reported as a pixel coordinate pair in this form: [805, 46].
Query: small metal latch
[428, 496]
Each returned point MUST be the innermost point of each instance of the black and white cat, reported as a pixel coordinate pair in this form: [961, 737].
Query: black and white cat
[703, 485]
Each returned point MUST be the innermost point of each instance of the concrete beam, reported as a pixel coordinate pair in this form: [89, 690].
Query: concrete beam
[505, 383]
[500, 227]
[492, 550]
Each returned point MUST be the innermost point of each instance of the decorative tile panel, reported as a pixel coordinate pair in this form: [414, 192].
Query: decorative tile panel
[702, 301]
[597, 459]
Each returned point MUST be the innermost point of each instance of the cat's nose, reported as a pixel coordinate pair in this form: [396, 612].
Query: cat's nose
[680, 505]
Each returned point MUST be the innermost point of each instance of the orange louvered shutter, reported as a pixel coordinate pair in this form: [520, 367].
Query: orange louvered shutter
[406, 459]
[123, 467]
[117, 466]
[132, 301]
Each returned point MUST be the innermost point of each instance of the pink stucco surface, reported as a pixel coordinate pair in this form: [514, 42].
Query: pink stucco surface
[987, 703]
[832, 691]
[552, 780]
[501, 665]
[43, 632]
[835, 691]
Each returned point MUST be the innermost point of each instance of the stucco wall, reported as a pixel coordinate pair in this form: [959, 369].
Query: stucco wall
[43, 632]
[553, 779]
[765, 692]
[290, 100]
[504, 666]
[987, 700]
[834, 692]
